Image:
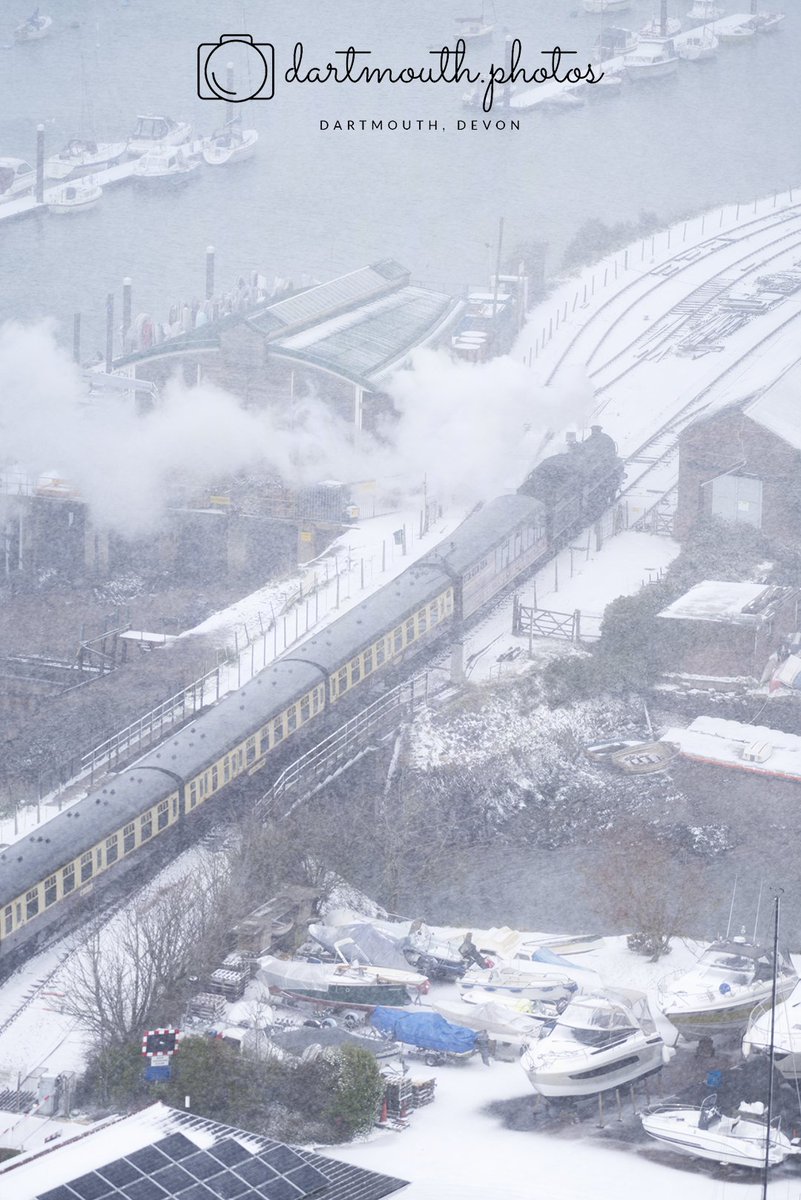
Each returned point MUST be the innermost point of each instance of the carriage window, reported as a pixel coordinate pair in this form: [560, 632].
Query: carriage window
[305, 708]
[278, 729]
[226, 770]
[433, 613]
[8, 918]
[291, 720]
[397, 639]
[422, 623]
[31, 903]
[146, 827]
[368, 661]
[342, 680]
[355, 671]
[51, 890]
[86, 866]
[163, 814]
[250, 750]
[128, 838]
[264, 741]
[203, 786]
[111, 849]
[379, 654]
[192, 796]
[410, 630]
[68, 879]
[215, 778]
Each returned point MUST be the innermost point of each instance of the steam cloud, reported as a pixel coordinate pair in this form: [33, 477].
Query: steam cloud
[472, 430]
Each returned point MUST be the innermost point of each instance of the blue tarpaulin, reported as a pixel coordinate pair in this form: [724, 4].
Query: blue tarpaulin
[428, 1030]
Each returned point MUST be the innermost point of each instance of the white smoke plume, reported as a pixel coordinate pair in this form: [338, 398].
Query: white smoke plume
[472, 430]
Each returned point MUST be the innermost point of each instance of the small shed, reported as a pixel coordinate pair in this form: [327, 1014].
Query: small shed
[722, 629]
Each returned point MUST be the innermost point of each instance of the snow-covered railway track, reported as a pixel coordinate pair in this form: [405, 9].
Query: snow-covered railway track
[663, 276]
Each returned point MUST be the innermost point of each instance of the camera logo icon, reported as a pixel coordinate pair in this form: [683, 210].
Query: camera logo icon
[235, 69]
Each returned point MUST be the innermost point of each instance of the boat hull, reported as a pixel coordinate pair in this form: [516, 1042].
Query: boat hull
[586, 1075]
[697, 1023]
[350, 995]
[679, 1130]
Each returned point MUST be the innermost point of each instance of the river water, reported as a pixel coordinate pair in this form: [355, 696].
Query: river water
[315, 203]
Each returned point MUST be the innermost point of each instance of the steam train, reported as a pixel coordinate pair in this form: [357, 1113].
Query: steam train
[44, 875]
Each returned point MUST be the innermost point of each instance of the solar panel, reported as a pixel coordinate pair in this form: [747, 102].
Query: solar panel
[282, 1158]
[173, 1178]
[201, 1166]
[144, 1189]
[148, 1159]
[256, 1171]
[119, 1173]
[308, 1179]
[197, 1191]
[229, 1152]
[59, 1193]
[176, 1146]
[229, 1186]
[90, 1187]
[280, 1189]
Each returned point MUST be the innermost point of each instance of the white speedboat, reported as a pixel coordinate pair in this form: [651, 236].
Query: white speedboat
[786, 1034]
[653, 58]
[16, 177]
[83, 154]
[33, 29]
[157, 131]
[73, 197]
[705, 10]
[698, 47]
[229, 145]
[511, 980]
[719, 993]
[653, 28]
[605, 6]
[599, 1042]
[165, 164]
[704, 1132]
[738, 33]
[767, 22]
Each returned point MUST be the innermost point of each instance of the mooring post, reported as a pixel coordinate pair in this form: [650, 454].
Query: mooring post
[40, 164]
[209, 272]
[126, 308]
[109, 332]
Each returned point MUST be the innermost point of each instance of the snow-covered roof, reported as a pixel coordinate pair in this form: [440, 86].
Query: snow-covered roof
[163, 1143]
[740, 603]
[778, 408]
[724, 743]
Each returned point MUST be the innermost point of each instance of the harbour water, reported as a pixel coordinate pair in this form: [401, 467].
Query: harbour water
[314, 203]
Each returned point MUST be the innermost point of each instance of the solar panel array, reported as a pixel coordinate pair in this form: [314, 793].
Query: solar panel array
[175, 1169]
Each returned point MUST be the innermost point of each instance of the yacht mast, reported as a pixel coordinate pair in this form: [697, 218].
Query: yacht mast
[772, 1055]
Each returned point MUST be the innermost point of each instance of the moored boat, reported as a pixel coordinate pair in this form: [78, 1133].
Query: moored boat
[719, 993]
[653, 58]
[474, 29]
[512, 980]
[738, 33]
[151, 132]
[16, 177]
[767, 22]
[655, 28]
[614, 42]
[229, 145]
[698, 47]
[341, 983]
[705, 10]
[73, 197]
[164, 164]
[83, 154]
[599, 1042]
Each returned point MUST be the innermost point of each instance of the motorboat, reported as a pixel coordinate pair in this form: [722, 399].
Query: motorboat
[614, 42]
[653, 58]
[655, 29]
[360, 942]
[341, 983]
[34, 28]
[767, 22]
[786, 1033]
[738, 33]
[718, 994]
[704, 1132]
[502, 1023]
[474, 29]
[510, 980]
[73, 197]
[599, 1042]
[16, 177]
[608, 85]
[230, 145]
[81, 154]
[605, 6]
[698, 47]
[705, 10]
[165, 164]
[157, 131]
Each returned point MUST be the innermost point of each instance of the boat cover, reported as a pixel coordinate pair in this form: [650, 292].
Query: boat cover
[360, 942]
[427, 1030]
[498, 1020]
